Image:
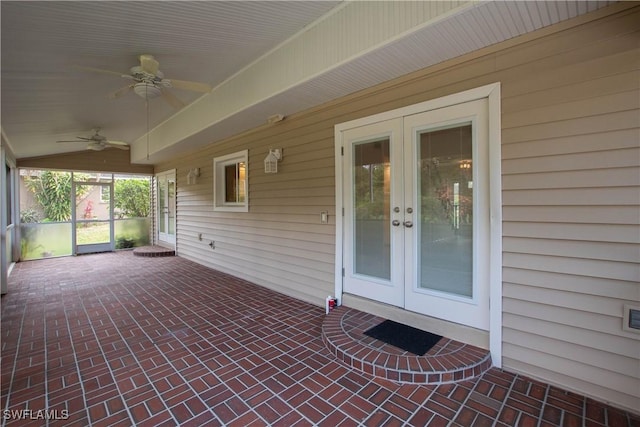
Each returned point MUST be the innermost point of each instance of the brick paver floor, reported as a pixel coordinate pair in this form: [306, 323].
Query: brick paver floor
[118, 340]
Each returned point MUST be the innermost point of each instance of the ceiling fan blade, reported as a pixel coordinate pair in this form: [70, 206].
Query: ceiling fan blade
[95, 147]
[172, 100]
[149, 64]
[99, 70]
[118, 93]
[187, 85]
[118, 146]
[112, 142]
[80, 139]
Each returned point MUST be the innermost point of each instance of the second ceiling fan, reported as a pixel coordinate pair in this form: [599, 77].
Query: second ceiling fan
[97, 142]
[149, 82]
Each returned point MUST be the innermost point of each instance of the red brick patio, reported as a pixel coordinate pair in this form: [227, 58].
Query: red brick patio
[118, 340]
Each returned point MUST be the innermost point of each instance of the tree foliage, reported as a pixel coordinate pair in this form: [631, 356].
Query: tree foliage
[371, 191]
[132, 197]
[52, 190]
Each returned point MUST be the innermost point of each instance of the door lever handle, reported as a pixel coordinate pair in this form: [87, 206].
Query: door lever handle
[395, 223]
[408, 224]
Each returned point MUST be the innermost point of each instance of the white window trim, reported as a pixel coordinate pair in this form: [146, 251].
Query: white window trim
[102, 199]
[219, 164]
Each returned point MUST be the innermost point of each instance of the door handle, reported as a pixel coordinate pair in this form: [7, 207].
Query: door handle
[408, 224]
[395, 223]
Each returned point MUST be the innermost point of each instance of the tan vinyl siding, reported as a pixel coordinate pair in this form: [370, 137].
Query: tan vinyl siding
[280, 243]
[571, 213]
[570, 188]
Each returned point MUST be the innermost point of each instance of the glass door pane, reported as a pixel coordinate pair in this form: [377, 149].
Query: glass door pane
[162, 204]
[372, 222]
[166, 198]
[445, 195]
[171, 206]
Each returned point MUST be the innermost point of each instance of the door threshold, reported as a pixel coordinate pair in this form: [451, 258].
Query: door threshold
[456, 331]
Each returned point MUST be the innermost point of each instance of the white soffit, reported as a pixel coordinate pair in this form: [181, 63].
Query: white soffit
[45, 96]
[354, 47]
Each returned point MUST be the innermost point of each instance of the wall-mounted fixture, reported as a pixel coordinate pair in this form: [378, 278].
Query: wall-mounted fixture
[271, 161]
[631, 318]
[275, 118]
[192, 176]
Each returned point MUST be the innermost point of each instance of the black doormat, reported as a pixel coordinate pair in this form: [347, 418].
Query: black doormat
[405, 337]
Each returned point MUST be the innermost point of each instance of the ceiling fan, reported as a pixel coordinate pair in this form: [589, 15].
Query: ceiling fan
[97, 142]
[149, 82]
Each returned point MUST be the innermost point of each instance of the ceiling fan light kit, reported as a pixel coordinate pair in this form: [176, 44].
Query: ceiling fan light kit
[147, 90]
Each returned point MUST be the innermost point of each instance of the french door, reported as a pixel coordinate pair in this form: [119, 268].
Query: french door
[373, 204]
[166, 206]
[416, 223]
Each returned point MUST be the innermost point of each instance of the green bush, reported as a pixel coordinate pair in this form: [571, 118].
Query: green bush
[29, 215]
[125, 243]
[132, 197]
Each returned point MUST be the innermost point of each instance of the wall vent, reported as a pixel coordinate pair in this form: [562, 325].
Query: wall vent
[631, 318]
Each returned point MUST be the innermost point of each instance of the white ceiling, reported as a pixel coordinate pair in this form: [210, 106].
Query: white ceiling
[44, 98]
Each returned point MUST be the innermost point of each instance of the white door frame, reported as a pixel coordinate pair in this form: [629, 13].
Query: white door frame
[492, 93]
[87, 248]
[171, 241]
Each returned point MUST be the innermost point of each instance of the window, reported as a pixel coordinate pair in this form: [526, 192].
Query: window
[105, 194]
[230, 182]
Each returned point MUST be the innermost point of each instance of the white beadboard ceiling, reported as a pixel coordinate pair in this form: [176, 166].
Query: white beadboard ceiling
[261, 57]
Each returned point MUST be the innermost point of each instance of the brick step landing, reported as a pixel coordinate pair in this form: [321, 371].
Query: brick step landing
[448, 361]
[153, 251]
